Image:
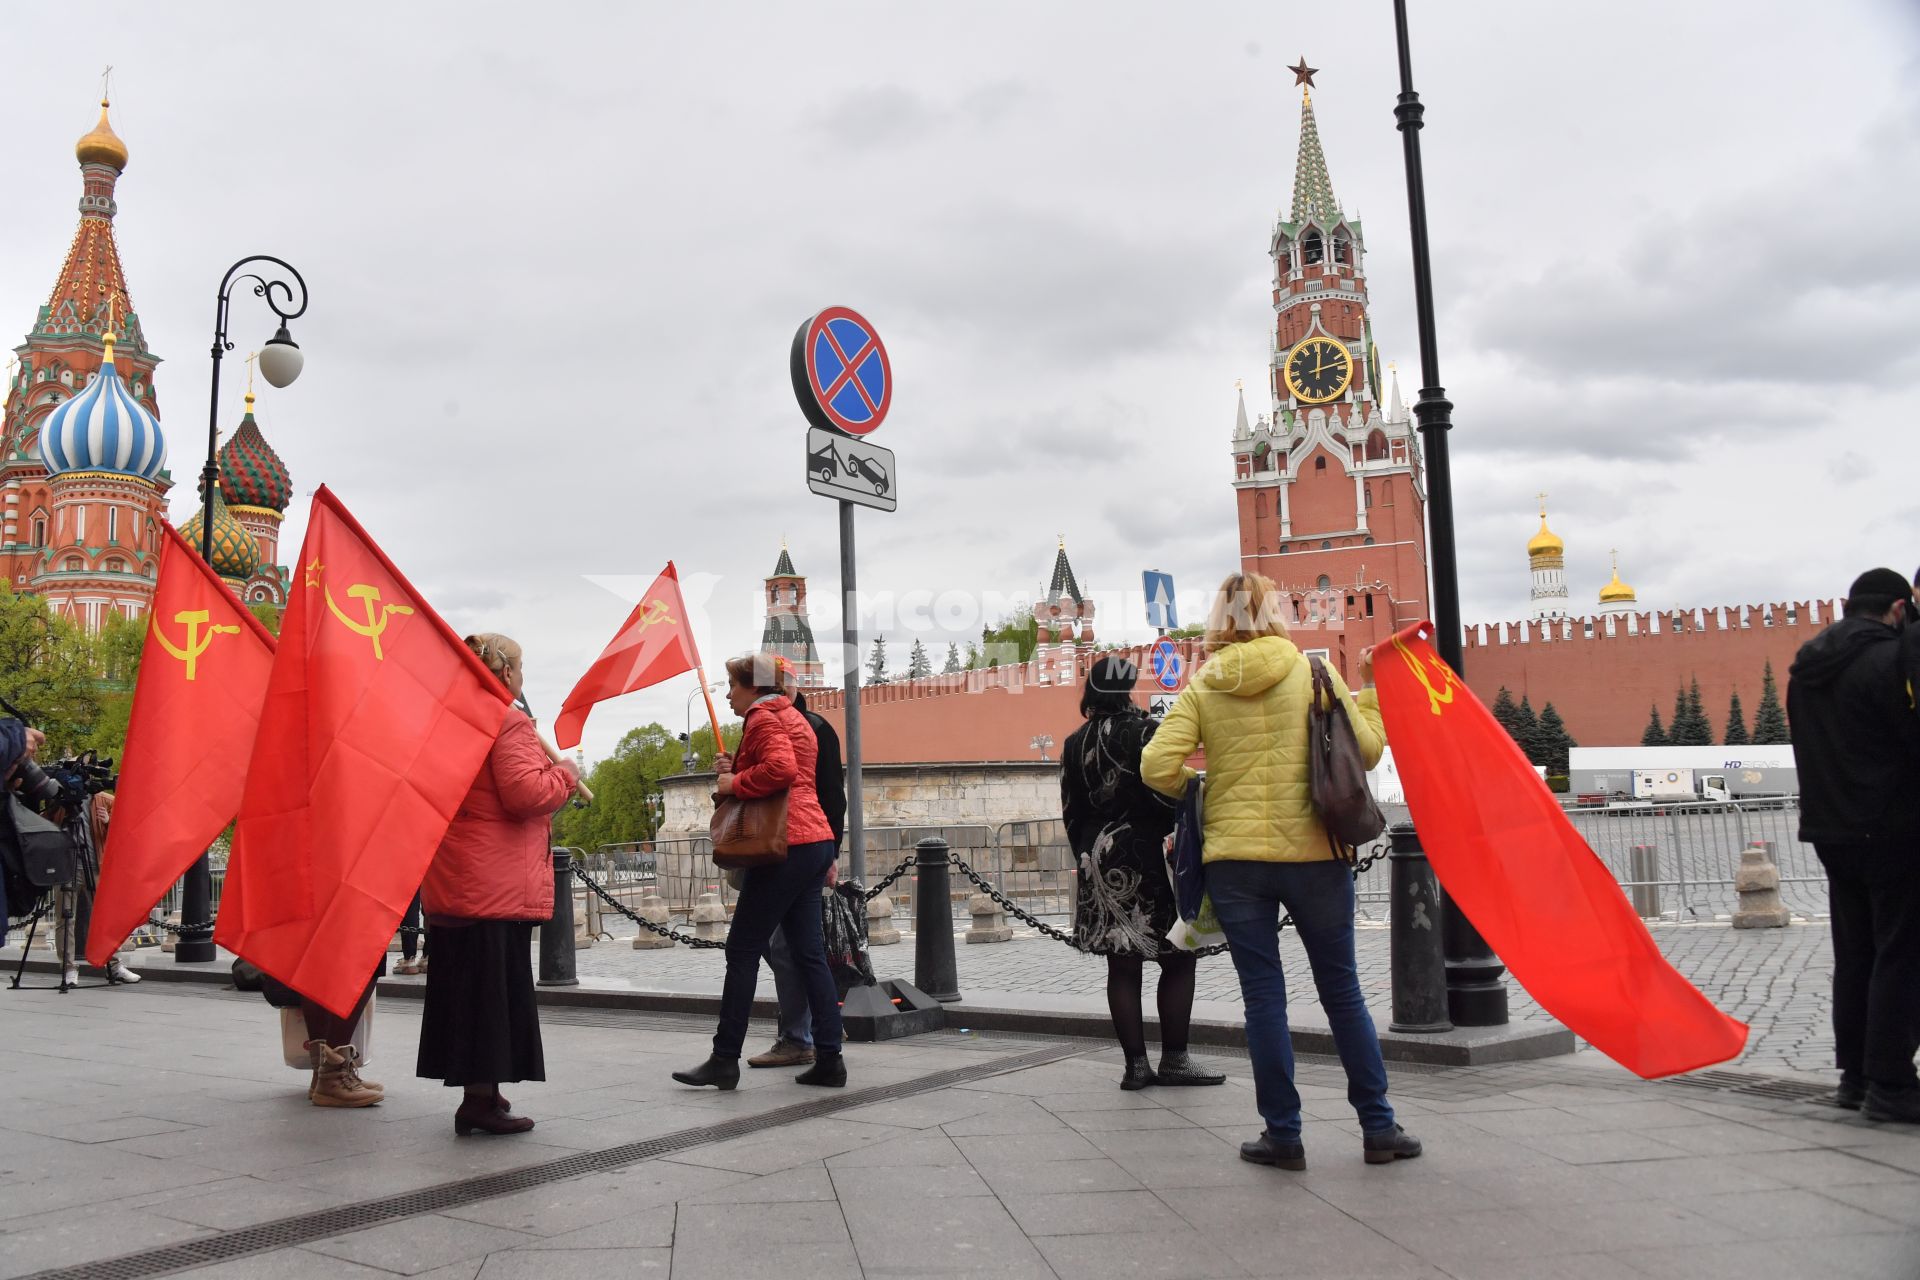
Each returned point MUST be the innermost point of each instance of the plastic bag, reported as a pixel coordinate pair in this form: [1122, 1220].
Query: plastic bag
[843, 921]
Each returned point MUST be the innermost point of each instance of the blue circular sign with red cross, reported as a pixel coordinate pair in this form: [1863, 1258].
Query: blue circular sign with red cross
[840, 373]
[1166, 663]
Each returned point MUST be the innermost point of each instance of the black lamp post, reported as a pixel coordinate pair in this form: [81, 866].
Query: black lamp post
[280, 364]
[1475, 995]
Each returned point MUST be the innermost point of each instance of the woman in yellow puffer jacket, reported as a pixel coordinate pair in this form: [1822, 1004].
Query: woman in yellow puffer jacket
[1265, 851]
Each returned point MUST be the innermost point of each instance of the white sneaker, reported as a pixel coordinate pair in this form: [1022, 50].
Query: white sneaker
[117, 971]
[70, 976]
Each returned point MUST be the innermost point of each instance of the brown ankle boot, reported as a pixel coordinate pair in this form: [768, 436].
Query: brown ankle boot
[484, 1116]
[351, 1057]
[334, 1082]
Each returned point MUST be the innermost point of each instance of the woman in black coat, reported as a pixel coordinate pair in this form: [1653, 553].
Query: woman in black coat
[1118, 827]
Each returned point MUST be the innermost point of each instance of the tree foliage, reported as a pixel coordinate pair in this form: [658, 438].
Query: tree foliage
[1526, 730]
[877, 661]
[1013, 641]
[1736, 735]
[48, 672]
[953, 661]
[918, 665]
[626, 785]
[1690, 726]
[1655, 736]
[1770, 718]
[1554, 741]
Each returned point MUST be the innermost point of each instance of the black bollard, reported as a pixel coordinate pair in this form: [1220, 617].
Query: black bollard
[934, 969]
[556, 935]
[1476, 997]
[1418, 956]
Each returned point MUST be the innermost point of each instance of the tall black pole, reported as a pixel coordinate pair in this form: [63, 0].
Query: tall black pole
[1475, 995]
[195, 944]
[850, 682]
[1433, 409]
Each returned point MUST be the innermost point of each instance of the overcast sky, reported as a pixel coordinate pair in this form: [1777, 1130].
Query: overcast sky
[558, 253]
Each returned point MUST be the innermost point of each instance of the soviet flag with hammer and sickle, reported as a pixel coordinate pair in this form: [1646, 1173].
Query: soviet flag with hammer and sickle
[653, 644]
[203, 676]
[377, 720]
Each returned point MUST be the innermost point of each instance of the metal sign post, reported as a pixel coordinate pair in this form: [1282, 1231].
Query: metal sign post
[844, 383]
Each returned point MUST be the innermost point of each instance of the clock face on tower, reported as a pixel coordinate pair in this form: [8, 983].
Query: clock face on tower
[1318, 370]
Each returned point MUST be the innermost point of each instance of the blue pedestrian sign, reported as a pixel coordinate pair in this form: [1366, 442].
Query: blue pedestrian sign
[841, 375]
[1167, 666]
[1160, 611]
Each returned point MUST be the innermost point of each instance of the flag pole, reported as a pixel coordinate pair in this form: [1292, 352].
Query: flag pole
[713, 719]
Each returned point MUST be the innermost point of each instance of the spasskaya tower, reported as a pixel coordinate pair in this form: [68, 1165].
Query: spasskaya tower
[1332, 501]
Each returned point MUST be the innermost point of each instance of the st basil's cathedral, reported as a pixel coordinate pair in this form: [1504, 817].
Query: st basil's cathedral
[83, 456]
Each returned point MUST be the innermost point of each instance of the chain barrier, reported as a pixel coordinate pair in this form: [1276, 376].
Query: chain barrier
[1361, 866]
[666, 931]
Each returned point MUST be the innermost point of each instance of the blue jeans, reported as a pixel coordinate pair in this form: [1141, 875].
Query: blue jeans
[784, 896]
[796, 1022]
[1247, 898]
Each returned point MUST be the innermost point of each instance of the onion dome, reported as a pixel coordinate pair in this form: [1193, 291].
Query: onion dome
[1546, 542]
[1617, 592]
[104, 428]
[103, 145]
[251, 473]
[235, 557]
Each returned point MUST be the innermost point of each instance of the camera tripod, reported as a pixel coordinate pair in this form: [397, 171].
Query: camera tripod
[64, 901]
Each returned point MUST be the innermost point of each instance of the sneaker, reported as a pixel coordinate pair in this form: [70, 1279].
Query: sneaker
[117, 971]
[784, 1053]
[1394, 1144]
[69, 977]
[1899, 1106]
[1269, 1150]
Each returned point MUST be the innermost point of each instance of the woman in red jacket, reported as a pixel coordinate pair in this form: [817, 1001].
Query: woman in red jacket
[489, 884]
[776, 754]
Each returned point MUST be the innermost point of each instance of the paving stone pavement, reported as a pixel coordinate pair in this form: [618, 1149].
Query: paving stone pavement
[1779, 981]
[161, 1115]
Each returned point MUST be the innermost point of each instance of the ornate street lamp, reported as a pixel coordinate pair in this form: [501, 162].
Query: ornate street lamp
[280, 364]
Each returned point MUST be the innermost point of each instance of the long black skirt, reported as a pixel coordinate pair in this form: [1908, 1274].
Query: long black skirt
[480, 1024]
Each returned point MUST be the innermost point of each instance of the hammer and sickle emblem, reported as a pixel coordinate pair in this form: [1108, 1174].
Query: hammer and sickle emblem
[197, 641]
[656, 611]
[1436, 697]
[377, 614]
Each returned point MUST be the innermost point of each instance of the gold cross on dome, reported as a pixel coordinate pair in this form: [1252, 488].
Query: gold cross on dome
[106, 82]
[1543, 504]
[251, 357]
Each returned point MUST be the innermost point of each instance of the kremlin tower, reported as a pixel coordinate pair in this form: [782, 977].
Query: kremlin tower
[255, 489]
[1064, 625]
[83, 476]
[788, 633]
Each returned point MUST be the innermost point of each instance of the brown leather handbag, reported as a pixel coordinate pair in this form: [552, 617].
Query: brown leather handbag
[1336, 777]
[749, 833]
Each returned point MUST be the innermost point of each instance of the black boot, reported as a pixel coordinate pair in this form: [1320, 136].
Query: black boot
[1139, 1073]
[1900, 1106]
[1851, 1093]
[724, 1072]
[829, 1071]
[1269, 1150]
[1176, 1068]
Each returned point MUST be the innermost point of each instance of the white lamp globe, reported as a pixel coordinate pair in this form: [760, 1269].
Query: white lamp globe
[281, 360]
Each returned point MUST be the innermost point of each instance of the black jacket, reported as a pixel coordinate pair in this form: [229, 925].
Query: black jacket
[1856, 740]
[829, 775]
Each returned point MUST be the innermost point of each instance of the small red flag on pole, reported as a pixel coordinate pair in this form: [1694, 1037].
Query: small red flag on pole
[377, 720]
[196, 704]
[652, 645]
[1502, 846]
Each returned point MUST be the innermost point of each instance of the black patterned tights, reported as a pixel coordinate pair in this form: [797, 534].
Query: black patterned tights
[1175, 1001]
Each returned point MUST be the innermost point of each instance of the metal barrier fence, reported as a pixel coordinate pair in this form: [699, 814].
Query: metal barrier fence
[1678, 862]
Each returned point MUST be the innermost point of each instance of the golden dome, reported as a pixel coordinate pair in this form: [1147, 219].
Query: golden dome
[103, 145]
[1546, 542]
[1617, 592]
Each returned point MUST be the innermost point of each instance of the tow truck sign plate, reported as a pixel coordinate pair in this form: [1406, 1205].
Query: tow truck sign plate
[843, 467]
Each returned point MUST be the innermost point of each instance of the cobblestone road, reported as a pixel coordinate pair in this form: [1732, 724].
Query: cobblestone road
[1777, 980]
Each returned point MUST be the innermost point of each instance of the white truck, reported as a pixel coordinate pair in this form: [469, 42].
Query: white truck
[1611, 775]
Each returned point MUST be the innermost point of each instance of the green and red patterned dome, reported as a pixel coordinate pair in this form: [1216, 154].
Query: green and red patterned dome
[235, 555]
[251, 473]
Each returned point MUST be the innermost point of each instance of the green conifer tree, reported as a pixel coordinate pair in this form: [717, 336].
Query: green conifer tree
[1655, 736]
[1555, 741]
[1736, 723]
[1770, 718]
[953, 661]
[1528, 736]
[919, 666]
[877, 661]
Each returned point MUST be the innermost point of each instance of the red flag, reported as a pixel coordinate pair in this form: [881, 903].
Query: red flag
[652, 645]
[203, 674]
[1543, 900]
[377, 719]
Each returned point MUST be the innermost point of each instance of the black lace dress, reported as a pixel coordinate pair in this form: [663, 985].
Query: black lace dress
[1117, 826]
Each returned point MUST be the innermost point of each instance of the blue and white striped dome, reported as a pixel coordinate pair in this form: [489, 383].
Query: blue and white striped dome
[103, 429]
